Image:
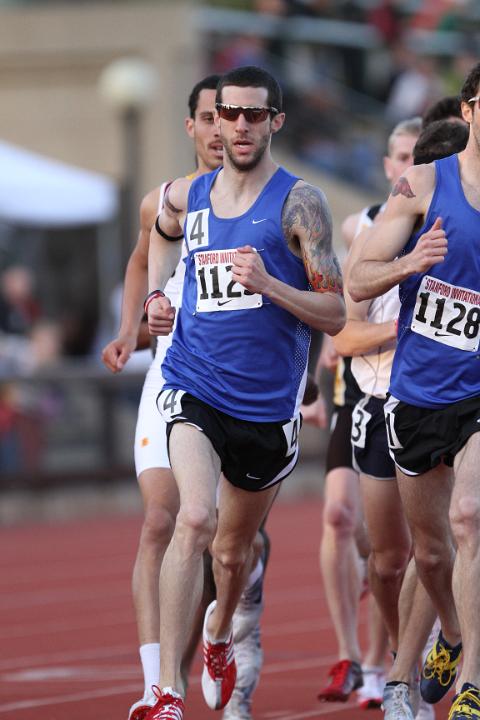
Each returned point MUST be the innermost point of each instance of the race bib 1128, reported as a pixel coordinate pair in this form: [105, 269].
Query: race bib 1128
[448, 314]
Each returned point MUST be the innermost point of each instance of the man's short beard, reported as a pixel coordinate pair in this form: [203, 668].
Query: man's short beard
[246, 167]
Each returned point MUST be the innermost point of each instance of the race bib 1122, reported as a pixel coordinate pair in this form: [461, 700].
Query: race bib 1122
[216, 291]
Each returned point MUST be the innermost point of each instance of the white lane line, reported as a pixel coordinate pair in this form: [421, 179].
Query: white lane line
[74, 697]
[268, 630]
[269, 669]
[73, 655]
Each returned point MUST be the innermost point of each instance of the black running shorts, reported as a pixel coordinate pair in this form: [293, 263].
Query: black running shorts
[369, 439]
[339, 451]
[421, 438]
[253, 455]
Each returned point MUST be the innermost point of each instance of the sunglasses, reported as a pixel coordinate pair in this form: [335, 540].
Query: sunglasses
[475, 99]
[251, 114]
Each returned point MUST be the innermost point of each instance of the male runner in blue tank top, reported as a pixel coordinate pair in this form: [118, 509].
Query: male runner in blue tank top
[259, 240]
[432, 221]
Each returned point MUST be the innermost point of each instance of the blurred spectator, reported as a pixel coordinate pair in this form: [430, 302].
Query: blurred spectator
[26, 409]
[437, 14]
[242, 50]
[416, 86]
[462, 63]
[386, 19]
[18, 306]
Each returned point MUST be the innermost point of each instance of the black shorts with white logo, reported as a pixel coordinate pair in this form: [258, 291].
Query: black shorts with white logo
[339, 451]
[253, 455]
[369, 439]
[421, 438]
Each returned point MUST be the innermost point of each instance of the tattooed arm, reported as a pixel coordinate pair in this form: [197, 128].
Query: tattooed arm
[373, 267]
[307, 226]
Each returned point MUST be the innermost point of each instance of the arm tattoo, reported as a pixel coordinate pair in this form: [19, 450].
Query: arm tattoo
[402, 187]
[306, 216]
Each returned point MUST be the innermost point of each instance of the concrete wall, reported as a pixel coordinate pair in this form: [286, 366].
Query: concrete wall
[51, 57]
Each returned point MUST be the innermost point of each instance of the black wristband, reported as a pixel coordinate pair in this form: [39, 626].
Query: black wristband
[151, 296]
[171, 238]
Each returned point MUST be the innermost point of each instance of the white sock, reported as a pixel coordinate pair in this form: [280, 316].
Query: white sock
[150, 657]
[255, 574]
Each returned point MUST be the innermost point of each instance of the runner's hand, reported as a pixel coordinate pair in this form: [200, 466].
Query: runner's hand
[116, 354]
[430, 249]
[248, 269]
[161, 316]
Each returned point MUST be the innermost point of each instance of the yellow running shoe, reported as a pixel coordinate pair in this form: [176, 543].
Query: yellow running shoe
[466, 705]
[439, 669]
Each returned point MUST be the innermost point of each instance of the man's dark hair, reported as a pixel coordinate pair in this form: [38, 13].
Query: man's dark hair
[252, 76]
[444, 109]
[470, 86]
[208, 83]
[440, 139]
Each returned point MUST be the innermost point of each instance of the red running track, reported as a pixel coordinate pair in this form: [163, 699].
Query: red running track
[68, 639]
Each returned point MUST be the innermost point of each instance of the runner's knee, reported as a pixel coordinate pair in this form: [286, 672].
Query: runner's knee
[232, 556]
[389, 565]
[195, 527]
[465, 520]
[158, 526]
[340, 518]
[432, 556]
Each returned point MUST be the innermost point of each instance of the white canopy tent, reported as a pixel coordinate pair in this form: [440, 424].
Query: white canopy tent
[41, 194]
[38, 191]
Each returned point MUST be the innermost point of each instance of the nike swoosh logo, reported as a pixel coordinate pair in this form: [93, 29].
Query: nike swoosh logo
[255, 222]
[439, 334]
[252, 477]
[223, 302]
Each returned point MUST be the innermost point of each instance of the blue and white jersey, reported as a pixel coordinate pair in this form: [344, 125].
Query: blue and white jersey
[234, 349]
[437, 361]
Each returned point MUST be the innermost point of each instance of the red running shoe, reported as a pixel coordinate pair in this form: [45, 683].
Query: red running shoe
[219, 669]
[140, 708]
[169, 705]
[346, 676]
[139, 711]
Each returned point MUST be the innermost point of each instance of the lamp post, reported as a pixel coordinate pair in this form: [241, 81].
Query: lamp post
[128, 85]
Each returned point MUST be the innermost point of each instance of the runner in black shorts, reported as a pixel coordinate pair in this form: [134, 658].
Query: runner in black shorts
[428, 243]
[344, 543]
[253, 456]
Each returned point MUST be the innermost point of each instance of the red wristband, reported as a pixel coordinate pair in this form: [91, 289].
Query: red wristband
[151, 296]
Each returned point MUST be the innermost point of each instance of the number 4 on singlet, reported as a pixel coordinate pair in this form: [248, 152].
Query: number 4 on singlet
[197, 229]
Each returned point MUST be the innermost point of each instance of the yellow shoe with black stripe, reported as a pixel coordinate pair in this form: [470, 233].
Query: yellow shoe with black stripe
[466, 705]
[439, 669]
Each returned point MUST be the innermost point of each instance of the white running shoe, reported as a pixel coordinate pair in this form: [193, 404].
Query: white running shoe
[396, 702]
[248, 610]
[426, 711]
[370, 695]
[249, 659]
[432, 639]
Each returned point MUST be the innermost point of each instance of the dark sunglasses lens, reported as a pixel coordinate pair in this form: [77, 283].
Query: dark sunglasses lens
[252, 115]
[255, 115]
[229, 113]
